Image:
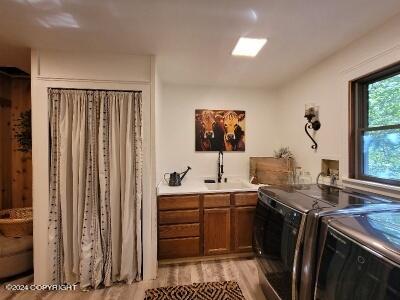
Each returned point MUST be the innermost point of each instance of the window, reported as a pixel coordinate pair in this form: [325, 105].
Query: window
[375, 127]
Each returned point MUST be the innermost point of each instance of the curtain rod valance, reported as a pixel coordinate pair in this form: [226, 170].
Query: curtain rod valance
[94, 90]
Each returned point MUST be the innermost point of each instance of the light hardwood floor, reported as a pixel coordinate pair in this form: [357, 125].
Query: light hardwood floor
[244, 271]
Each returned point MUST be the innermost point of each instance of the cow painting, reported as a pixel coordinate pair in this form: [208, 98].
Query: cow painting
[220, 130]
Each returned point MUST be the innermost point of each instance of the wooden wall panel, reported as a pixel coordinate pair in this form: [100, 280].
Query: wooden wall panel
[21, 172]
[5, 142]
[15, 166]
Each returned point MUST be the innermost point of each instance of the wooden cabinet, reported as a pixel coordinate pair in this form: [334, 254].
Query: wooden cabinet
[178, 226]
[217, 231]
[178, 216]
[243, 228]
[180, 230]
[245, 199]
[205, 224]
[183, 247]
[179, 202]
[216, 200]
[242, 221]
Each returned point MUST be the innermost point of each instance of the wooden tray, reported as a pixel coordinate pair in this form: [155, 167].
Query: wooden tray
[271, 170]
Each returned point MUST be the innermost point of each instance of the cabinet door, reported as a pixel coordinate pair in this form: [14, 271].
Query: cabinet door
[217, 231]
[243, 218]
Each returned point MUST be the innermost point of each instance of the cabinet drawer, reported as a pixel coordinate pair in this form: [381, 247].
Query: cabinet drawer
[176, 231]
[246, 199]
[178, 202]
[217, 200]
[178, 216]
[175, 248]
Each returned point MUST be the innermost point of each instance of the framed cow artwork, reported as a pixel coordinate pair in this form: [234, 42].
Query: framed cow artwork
[220, 130]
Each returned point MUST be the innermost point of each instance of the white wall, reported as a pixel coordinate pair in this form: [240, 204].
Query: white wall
[97, 71]
[158, 94]
[326, 84]
[176, 136]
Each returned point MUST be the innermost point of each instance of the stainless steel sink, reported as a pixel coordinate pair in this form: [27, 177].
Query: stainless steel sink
[227, 186]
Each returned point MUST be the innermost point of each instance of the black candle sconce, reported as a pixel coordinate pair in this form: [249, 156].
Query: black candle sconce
[311, 114]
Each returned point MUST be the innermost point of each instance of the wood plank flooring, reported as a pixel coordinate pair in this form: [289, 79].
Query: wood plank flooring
[244, 271]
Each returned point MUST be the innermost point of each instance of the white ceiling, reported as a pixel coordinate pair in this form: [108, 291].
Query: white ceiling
[193, 39]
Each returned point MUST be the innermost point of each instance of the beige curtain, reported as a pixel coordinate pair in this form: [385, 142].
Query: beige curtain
[95, 186]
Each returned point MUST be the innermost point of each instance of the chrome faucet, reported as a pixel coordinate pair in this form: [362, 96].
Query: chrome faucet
[220, 165]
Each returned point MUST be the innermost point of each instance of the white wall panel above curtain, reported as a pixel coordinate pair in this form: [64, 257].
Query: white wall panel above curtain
[95, 186]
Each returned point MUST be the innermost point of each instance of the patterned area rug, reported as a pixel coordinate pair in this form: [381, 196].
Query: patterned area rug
[224, 290]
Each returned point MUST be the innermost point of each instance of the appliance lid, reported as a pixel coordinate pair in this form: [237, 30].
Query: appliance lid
[289, 196]
[378, 231]
[308, 197]
[339, 198]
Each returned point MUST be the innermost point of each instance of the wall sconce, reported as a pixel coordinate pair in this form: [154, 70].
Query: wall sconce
[311, 114]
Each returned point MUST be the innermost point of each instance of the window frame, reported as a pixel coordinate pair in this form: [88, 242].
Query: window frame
[358, 122]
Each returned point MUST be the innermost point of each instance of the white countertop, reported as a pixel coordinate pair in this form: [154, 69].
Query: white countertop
[197, 186]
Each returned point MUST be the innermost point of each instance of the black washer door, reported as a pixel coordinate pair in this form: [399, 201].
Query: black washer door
[275, 235]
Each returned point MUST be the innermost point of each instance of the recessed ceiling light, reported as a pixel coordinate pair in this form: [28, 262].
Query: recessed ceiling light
[248, 46]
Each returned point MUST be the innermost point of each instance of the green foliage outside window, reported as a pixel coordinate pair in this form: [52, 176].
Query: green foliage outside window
[382, 147]
[384, 102]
